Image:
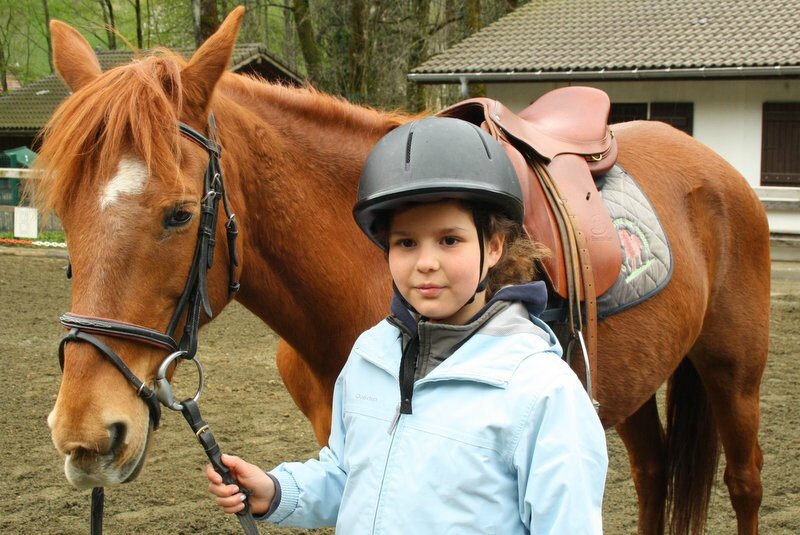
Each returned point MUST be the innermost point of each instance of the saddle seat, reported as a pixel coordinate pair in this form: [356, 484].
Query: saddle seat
[565, 131]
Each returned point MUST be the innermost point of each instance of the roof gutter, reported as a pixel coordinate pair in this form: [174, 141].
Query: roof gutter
[604, 74]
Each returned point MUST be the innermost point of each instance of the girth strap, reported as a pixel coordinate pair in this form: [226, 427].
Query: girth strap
[580, 277]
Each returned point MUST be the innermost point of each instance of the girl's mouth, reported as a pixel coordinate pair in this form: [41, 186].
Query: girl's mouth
[429, 290]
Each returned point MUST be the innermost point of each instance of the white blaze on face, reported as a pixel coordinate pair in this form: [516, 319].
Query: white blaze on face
[129, 180]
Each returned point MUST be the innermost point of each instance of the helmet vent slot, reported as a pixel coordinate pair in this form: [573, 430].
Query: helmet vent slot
[408, 150]
[483, 141]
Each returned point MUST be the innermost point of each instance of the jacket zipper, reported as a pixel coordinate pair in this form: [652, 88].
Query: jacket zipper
[391, 430]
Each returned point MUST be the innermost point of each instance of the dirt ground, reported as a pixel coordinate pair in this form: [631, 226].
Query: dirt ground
[252, 415]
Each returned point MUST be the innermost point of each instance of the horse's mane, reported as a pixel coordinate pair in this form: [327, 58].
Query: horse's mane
[133, 107]
[311, 104]
[136, 107]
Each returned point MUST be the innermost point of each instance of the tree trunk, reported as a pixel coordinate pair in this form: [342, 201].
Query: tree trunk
[473, 24]
[308, 42]
[3, 72]
[206, 19]
[357, 51]
[47, 36]
[417, 54]
[289, 49]
[137, 7]
[111, 26]
[473, 16]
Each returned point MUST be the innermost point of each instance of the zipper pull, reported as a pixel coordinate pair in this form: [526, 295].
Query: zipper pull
[393, 425]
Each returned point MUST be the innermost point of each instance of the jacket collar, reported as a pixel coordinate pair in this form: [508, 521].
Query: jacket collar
[487, 332]
[532, 294]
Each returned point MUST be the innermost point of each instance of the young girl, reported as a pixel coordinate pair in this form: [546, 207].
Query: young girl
[456, 414]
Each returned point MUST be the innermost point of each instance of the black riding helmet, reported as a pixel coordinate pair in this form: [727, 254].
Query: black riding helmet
[433, 159]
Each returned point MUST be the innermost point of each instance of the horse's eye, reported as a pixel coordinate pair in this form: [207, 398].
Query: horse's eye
[178, 218]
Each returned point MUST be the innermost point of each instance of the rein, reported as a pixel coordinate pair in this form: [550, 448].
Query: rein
[194, 295]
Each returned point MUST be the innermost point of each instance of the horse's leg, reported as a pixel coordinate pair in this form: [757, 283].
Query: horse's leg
[732, 374]
[308, 392]
[643, 437]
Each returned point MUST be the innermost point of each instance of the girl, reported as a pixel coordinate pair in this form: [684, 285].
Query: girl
[456, 414]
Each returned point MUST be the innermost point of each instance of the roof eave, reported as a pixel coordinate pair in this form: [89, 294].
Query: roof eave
[20, 131]
[288, 74]
[605, 74]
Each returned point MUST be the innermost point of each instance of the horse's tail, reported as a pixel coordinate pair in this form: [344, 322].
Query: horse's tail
[693, 449]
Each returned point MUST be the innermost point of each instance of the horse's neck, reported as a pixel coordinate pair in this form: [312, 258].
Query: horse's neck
[308, 272]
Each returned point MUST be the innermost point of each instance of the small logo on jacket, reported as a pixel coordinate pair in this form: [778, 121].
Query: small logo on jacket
[366, 397]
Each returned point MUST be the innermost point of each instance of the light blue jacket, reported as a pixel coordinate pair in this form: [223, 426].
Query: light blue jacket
[502, 439]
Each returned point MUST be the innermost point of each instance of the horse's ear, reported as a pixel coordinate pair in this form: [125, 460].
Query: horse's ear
[207, 66]
[73, 57]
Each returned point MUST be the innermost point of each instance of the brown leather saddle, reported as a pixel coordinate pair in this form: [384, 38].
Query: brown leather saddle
[558, 145]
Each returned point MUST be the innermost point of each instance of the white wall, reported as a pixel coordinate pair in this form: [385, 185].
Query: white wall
[727, 113]
[727, 117]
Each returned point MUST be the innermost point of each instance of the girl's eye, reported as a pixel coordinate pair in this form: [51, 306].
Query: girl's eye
[450, 240]
[405, 243]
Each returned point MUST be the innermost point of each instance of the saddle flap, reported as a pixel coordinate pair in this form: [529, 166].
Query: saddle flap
[577, 186]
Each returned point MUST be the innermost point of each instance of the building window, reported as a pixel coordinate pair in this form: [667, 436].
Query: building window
[780, 144]
[678, 114]
[627, 111]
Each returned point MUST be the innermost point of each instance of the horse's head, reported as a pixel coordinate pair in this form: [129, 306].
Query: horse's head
[127, 187]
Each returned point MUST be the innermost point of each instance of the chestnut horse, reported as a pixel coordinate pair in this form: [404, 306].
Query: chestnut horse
[127, 188]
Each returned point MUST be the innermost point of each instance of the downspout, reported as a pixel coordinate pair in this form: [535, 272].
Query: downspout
[464, 86]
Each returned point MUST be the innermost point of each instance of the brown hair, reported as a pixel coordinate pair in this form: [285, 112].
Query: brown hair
[521, 254]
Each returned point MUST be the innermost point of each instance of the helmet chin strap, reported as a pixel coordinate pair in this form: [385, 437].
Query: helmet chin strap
[479, 220]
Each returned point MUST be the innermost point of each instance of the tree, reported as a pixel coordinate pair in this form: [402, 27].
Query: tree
[357, 50]
[47, 34]
[206, 19]
[308, 41]
[107, 9]
[418, 53]
[137, 9]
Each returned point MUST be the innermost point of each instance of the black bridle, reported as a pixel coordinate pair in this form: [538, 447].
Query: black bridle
[194, 295]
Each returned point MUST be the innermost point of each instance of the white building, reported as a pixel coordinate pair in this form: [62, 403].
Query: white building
[726, 72]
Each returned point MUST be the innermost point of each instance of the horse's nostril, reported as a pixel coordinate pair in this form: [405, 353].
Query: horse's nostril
[117, 433]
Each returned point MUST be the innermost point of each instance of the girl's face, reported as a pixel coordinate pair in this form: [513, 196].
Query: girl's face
[434, 258]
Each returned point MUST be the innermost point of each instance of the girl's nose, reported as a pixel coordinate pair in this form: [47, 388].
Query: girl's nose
[427, 259]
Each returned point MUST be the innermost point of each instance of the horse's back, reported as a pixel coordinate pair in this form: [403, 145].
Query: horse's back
[719, 238]
[697, 194]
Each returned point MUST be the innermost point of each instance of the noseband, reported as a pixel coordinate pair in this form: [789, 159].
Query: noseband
[195, 292]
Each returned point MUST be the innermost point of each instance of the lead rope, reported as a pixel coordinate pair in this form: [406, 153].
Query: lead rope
[204, 435]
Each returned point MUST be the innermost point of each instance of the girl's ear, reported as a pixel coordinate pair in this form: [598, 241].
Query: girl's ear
[494, 249]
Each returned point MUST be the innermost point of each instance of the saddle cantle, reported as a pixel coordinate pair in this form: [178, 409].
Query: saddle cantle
[556, 145]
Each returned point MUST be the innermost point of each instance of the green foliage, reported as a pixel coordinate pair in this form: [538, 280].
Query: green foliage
[368, 66]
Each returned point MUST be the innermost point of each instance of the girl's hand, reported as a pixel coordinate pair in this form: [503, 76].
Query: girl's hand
[249, 476]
